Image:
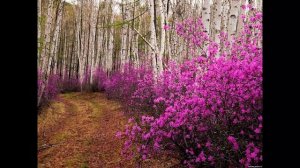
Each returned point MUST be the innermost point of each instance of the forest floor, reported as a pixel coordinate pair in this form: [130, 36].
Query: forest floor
[77, 130]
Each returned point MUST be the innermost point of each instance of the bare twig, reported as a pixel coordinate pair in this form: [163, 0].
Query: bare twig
[144, 39]
[45, 146]
[124, 22]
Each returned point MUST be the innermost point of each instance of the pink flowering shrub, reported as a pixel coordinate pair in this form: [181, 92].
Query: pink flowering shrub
[99, 79]
[192, 31]
[51, 89]
[134, 87]
[142, 99]
[113, 85]
[207, 111]
[70, 85]
[55, 86]
[121, 85]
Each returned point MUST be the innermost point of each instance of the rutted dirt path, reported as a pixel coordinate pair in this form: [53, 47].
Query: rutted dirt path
[78, 131]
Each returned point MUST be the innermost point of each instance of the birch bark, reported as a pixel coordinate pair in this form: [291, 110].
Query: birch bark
[110, 43]
[92, 39]
[162, 36]
[124, 35]
[55, 39]
[206, 20]
[39, 26]
[217, 22]
[153, 39]
[45, 51]
[240, 20]
[233, 14]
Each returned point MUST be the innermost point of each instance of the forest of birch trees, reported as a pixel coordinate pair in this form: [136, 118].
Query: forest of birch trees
[75, 38]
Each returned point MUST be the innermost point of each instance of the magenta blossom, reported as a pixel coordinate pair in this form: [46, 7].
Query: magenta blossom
[166, 27]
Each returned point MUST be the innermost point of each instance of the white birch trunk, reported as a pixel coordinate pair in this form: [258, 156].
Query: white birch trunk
[129, 42]
[92, 40]
[206, 16]
[212, 20]
[55, 54]
[45, 51]
[55, 39]
[233, 18]
[39, 26]
[162, 36]
[47, 37]
[135, 44]
[124, 35]
[198, 7]
[225, 13]
[217, 22]
[224, 22]
[259, 5]
[168, 37]
[153, 39]
[240, 20]
[98, 38]
[110, 44]
[65, 58]
[206, 20]
[81, 38]
[99, 47]
[105, 48]
[99, 41]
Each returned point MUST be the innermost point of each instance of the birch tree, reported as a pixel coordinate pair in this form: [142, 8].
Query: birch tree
[168, 37]
[153, 41]
[259, 5]
[225, 13]
[80, 42]
[65, 58]
[99, 37]
[206, 16]
[206, 19]
[39, 25]
[123, 52]
[135, 44]
[162, 36]
[55, 40]
[240, 19]
[45, 50]
[217, 21]
[90, 34]
[93, 25]
[110, 42]
[233, 15]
